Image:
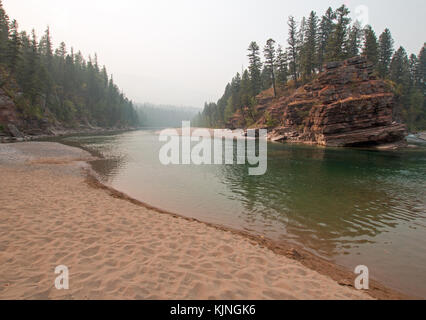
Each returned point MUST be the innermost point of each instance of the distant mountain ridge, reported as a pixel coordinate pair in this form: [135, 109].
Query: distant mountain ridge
[152, 115]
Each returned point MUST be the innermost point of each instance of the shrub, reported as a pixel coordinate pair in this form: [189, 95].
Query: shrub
[302, 114]
[270, 122]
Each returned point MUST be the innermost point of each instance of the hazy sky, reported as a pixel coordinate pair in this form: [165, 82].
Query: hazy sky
[184, 52]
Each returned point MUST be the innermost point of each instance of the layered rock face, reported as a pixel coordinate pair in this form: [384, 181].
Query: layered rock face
[9, 118]
[8, 112]
[13, 123]
[345, 106]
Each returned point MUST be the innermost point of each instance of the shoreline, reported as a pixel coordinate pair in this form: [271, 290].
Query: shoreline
[338, 273]
[341, 277]
[61, 133]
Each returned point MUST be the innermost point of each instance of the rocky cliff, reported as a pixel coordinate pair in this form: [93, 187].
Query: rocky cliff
[8, 112]
[344, 106]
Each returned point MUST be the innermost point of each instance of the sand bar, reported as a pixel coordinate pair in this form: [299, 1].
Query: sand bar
[116, 249]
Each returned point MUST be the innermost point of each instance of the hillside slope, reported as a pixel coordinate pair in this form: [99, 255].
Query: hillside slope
[44, 90]
[21, 120]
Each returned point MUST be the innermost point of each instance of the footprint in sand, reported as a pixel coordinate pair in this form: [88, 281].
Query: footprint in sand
[90, 252]
[226, 249]
[246, 276]
[91, 240]
[256, 260]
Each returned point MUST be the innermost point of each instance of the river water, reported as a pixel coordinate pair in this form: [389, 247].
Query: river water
[353, 207]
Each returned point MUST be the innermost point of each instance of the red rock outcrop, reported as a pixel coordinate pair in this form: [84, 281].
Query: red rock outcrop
[345, 106]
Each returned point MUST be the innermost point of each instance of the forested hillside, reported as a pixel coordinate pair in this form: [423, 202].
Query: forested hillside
[57, 86]
[310, 44]
[164, 116]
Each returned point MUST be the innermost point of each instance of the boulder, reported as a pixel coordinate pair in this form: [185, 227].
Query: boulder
[14, 131]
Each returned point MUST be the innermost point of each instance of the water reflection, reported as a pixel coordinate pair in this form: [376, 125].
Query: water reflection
[107, 148]
[329, 200]
[108, 168]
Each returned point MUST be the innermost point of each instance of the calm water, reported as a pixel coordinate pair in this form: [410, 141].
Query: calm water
[350, 206]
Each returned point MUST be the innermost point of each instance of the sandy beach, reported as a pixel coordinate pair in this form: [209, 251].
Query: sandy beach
[115, 249]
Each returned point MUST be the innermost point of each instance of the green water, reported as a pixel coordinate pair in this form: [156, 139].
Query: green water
[353, 207]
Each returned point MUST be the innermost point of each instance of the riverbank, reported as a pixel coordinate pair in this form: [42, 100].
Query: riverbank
[15, 135]
[54, 212]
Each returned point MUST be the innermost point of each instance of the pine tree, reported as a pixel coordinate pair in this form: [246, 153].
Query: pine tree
[370, 50]
[292, 49]
[46, 50]
[399, 70]
[233, 101]
[421, 69]
[14, 47]
[415, 113]
[414, 72]
[385, 52]
[354, 41]
[309, 51]
[255, 68]
[236, 90]
[46, 56]
[301, 36]
[270, 56]
[31, 81]
[4, 34]
[61, 52]
[245, 88]
[421, 87]
[325, 30]
[222, 103]
[104, 76]
[282, 66]
[399, 73]
[266, 78]
[336, 46]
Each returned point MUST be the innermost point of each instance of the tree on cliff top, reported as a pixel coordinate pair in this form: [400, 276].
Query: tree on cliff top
[385, 52]
[354, 40]
[325, 30]
[293, 55]
[4, 33]
[336, 46]
[255, 67]
[270, 53]
[370, 49]
[399, 70]
[309, 47]
[14, 47]
[421, 69]
[282, 66]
